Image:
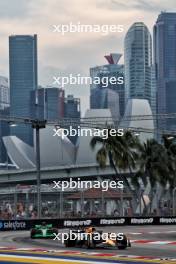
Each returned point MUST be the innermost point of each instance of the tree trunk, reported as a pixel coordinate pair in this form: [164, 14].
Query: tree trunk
[120, 177]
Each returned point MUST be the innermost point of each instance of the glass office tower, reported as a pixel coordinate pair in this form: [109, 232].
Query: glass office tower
[4, 111]
[165, 64]
[72, 112]
[48, 103]
[98, 92]
[23, 79]
[4, 93]
[106, 99]
[138, 62]
[72, 107]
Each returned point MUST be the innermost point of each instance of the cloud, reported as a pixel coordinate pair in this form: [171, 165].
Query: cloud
[144, 5]
[14, 9]
[72, 52]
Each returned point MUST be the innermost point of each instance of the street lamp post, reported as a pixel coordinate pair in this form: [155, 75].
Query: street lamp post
[122, 203]
[37, 125]
[15, 200]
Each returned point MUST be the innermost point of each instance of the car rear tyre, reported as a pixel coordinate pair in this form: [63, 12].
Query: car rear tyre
[121, 247]
[122, 244]
[89, 243]
[69, 243]
[32, 234]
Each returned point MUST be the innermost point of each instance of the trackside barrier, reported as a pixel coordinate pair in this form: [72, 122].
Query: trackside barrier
[13, 225]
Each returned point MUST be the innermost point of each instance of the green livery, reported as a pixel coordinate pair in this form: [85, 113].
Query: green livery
[43, 231]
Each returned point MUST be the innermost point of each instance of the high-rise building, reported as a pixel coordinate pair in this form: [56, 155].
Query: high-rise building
[23, 80]
[4, 131]
[71, 107]
[72, 111]
[107, 99]
[48, 103]
[4, 111]
[165, 64]
[138, 62]
[113, 69]
[4, 93]
[153, 91]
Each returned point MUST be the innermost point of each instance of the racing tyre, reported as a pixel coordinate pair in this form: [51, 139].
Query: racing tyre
[89, 243]
[32, 234]
[55, 230]
[122, 244]
[69, 243]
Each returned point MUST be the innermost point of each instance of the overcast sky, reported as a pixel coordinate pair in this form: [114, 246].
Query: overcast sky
[73, 53]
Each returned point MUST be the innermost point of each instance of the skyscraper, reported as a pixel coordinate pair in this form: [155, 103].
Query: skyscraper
[4, 111]
[4, 93]
[138, 62]
[71, 107]
[48, 103]
[97, 93]
[153, 90]
[106, 99]
[23, 79]
[72, 111]
[165, 64]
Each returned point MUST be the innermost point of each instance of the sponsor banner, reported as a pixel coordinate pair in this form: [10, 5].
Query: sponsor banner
[112, 221]
[141, 221]
[13, 225]
[167, 220]
[75, 223]
[10, 225]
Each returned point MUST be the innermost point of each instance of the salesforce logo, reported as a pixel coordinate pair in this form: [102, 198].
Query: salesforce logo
[1, 225]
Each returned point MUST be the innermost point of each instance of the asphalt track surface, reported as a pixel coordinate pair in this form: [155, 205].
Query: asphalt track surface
[148, 241]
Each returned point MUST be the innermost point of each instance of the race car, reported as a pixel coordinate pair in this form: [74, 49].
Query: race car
[43, 231]
[90, 238]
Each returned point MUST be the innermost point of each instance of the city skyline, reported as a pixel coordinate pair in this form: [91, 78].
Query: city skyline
[72, 53]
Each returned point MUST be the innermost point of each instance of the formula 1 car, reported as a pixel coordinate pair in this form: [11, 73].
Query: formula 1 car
[90, 238]
[43, 231]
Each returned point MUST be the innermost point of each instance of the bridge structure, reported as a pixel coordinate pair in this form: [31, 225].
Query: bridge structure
[86, 171]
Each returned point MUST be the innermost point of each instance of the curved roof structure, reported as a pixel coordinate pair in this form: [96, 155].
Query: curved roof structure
[84, 153]
[55, 150]
[21, 154]
[134, 108]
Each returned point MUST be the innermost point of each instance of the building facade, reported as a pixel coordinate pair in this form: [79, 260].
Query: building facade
[4, 111]
[97, 91]
[48, 103]
[72, 107]
[138, 62]
[165, 64]
[107, 99]
[72, 111]
[23, 80]
[4, 93]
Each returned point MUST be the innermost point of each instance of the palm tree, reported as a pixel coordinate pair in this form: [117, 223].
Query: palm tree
[153, 165]
[120, 152]
[170, 146]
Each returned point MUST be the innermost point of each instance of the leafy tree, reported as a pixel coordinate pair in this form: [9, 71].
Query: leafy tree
[120, 152]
